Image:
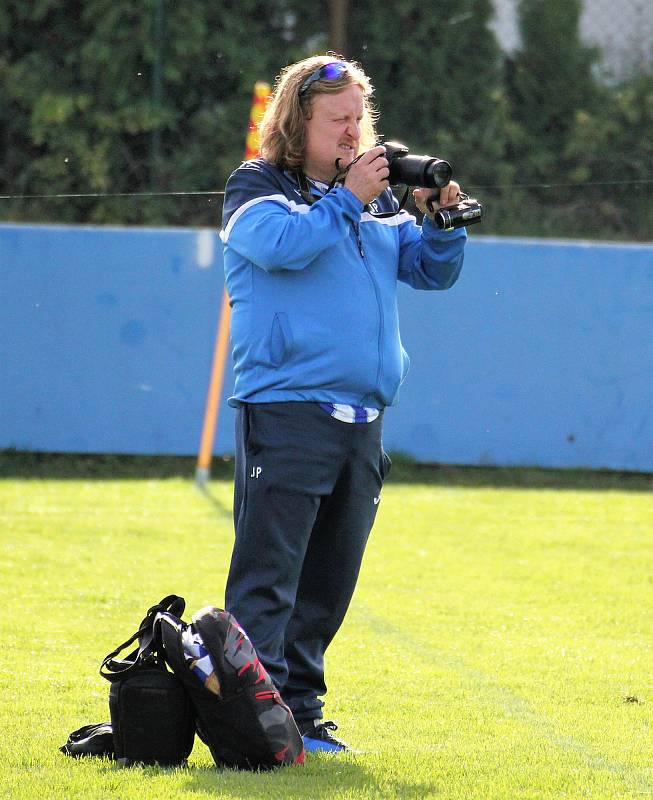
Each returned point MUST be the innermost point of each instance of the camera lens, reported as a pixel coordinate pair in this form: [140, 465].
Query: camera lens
[431, 173]
[438, 174]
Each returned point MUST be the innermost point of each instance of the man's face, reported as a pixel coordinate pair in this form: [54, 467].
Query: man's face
[332, 132]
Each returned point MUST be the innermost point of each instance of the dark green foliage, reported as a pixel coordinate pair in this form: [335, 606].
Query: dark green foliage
[572, 136]
[551, 77]
[439, 81]
[616, 143]
[97, 97]
[80, 112]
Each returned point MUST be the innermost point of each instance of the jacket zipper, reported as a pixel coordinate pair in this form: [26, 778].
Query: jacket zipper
[359, 242]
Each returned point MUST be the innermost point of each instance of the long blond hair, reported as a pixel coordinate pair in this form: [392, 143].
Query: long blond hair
[282, 138]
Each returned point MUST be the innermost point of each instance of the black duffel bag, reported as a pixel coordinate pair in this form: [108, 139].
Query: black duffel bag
[152, 717]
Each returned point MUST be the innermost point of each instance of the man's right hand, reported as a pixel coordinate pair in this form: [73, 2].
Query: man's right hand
[368, 176]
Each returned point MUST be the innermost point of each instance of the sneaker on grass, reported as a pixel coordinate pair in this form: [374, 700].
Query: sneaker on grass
[318, 738]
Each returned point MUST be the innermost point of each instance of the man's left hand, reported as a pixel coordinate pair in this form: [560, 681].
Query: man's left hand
[448, 196]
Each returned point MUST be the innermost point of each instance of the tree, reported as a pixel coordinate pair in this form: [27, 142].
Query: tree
[550, 82]
[438, 80]
[78, 113]
[612, 153]
[97, 97]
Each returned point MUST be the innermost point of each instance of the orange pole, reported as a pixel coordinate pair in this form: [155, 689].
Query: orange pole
[209, 428]
[215, 393]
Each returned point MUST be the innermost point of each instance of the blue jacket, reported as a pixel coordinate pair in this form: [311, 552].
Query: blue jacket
[313, 289]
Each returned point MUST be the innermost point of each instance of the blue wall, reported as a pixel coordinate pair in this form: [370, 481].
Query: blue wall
[542, 354]
[106, 338]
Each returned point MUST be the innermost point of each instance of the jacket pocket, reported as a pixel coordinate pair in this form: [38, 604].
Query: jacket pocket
[281, 339]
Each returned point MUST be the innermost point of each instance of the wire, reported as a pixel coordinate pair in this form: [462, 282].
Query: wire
[102, 195]
[562, 185]
[643, 181]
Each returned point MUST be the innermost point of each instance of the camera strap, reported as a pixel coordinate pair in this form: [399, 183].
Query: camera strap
[461, 195]
[386, 214]
[305, 191]
[305, 188]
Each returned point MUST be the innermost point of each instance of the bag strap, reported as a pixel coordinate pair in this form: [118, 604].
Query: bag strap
[114, 669]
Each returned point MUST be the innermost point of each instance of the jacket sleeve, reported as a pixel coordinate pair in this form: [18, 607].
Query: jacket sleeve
[428, 257]
[275, 233]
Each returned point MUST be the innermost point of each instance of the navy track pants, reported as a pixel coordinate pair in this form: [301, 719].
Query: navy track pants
[307, 488]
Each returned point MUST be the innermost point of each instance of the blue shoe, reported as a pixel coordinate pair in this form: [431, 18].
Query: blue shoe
[318, 739]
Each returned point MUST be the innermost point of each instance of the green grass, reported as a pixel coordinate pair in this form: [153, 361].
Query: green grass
[498, 644]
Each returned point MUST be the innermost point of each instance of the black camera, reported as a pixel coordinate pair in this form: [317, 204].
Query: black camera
[431, 173]
[425, 171]
[466, 212]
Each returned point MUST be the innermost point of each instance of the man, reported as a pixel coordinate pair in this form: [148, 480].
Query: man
[312, 275]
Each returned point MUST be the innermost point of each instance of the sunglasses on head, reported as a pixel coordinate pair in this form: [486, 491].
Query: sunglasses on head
[327, 72]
